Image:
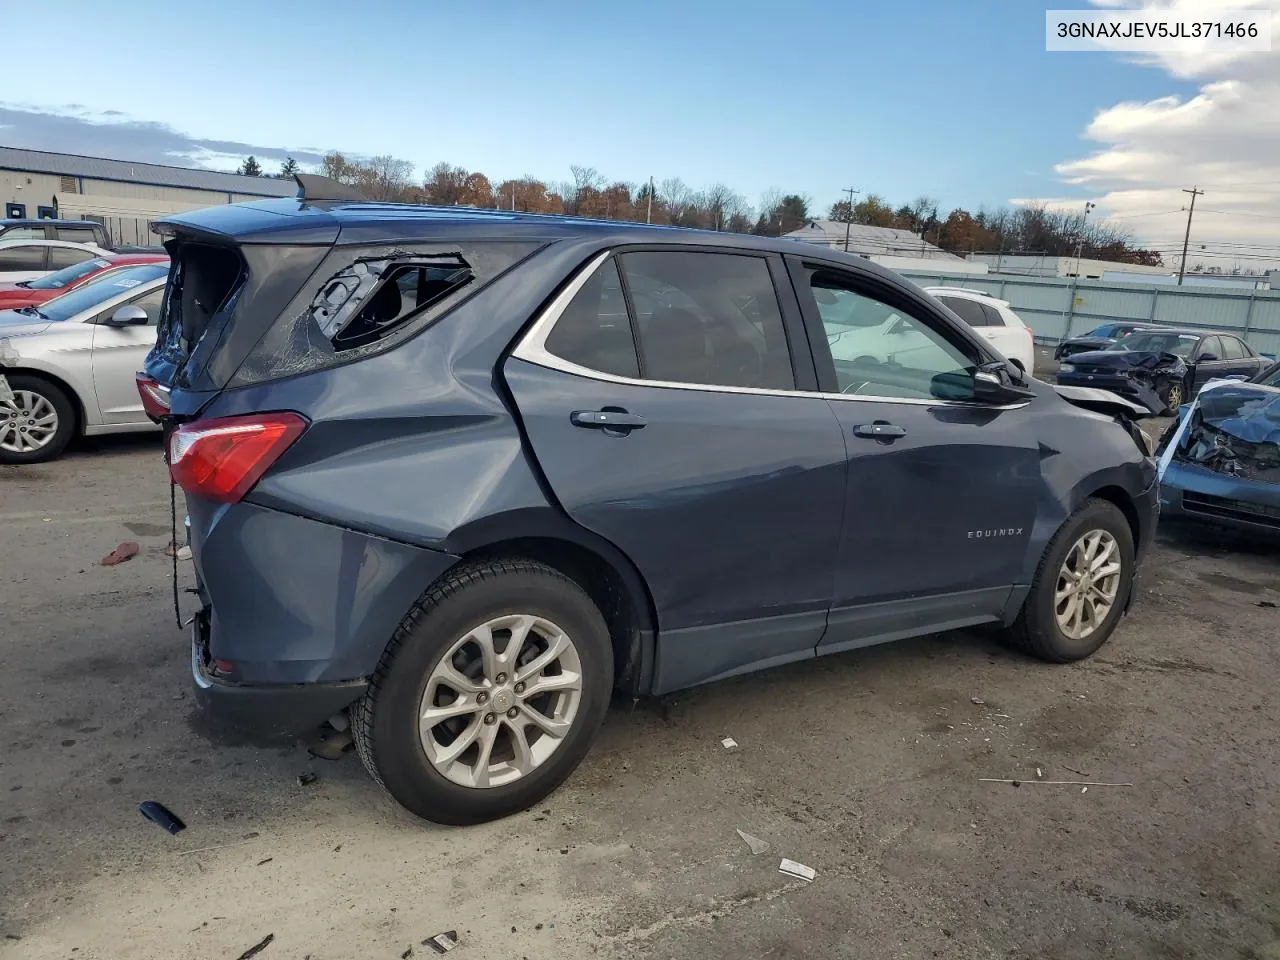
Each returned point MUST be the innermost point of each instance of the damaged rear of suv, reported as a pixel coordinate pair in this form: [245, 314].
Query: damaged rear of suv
[459, 475]
[1220, 460]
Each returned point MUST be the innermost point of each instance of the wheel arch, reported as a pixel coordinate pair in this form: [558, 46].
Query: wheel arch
[77, 402]
[1121, 500]
[607, 575]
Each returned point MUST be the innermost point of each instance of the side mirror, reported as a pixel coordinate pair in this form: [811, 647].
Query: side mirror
[129, 315]
[996, 386]
[1208, 356]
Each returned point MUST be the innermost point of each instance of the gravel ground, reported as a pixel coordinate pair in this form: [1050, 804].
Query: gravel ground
[865, 766]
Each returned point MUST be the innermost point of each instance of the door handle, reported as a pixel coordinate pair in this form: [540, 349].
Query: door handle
[881, 430]
[610, 419]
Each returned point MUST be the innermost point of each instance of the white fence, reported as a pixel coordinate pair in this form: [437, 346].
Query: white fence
[1059, 307]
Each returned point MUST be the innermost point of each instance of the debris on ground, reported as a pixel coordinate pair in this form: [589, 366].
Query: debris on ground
[307, 778]
[443, 942]
[978, 700]
[266, 861]
[1268, 603]
[1039, 774]
[728, 743]
[257, 948]
[757, 845]
[407, 953]
[126, 551]
[158, 813]
[183, 552]
[797, 870]
[331, 747]
[1061, 783]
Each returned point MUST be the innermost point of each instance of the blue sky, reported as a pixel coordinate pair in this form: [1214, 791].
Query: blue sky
[956, 100]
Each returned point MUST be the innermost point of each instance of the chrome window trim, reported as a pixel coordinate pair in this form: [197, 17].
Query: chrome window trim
[532, 348]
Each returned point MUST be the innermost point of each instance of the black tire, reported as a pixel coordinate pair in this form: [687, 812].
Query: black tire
[1036, 628]
[61, 403]
[385, 721]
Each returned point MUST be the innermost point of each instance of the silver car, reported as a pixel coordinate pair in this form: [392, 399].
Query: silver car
[67, 367]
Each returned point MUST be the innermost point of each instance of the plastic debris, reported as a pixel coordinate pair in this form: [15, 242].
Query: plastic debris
[728, 743]
[266, 861]
[182, 553]
[797, 870]
[1084, 789]
[333, 746]
[978, 700]
[1039, 773]
[158, 813]
[407, 953]
[307, 778]
[257, 948]
[1268, 603]
[126, 551]
[757, 845]
[442, 942]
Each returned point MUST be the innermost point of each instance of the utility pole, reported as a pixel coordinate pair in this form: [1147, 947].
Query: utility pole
[1182, 268]
[1088, 205]
[648, 217]
[849, 221]
[513, 196]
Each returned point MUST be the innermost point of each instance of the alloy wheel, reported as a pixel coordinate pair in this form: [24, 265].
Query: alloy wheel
[1175, 396]
[28, 422]
[1088, 583]
[500, 701]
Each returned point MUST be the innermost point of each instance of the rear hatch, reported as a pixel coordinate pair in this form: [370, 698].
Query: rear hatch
[233, 272]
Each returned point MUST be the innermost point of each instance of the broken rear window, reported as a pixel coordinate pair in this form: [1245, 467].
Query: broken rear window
[371, 298]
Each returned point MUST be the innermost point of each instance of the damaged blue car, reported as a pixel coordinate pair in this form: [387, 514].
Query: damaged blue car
[1220, 460]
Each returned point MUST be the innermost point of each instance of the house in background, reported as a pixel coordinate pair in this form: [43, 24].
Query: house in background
[887, 246]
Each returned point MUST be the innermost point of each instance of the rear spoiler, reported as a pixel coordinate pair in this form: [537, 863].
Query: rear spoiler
[1103, 401]
[313, 188]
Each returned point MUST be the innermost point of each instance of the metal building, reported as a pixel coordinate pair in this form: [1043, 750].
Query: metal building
[122, 194]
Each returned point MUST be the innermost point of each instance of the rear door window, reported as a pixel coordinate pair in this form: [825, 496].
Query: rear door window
[595, 331]
[78, 234]
[60, 257]
[28, 257]
[994, 318]
[970, 311]
[1232, 349]
[708, 318]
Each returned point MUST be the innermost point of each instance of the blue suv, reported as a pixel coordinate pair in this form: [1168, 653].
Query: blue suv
[461, 474]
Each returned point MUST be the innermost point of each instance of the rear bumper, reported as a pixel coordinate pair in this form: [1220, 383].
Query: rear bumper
[295, 613]
[1194, 492]
[262, 712]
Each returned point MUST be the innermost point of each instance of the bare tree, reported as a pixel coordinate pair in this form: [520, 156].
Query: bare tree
[676, 196]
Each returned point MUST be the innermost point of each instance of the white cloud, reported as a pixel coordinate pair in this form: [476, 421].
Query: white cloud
[1224, 139]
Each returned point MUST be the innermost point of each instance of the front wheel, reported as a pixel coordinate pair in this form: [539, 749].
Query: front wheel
[1173, 397]
[489, 695]
[1081, 587]
[36, 423]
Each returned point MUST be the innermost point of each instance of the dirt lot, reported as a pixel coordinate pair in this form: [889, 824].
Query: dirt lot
[864, 766]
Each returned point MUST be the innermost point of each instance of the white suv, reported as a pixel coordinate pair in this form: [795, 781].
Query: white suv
[993, 319]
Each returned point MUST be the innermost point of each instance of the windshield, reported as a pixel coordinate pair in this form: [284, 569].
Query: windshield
[1179, 344]
[89, 295]
[68, 275]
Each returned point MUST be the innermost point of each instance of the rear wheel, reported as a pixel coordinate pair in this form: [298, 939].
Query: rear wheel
[36, 424]
[489, 695]
[1081, 587]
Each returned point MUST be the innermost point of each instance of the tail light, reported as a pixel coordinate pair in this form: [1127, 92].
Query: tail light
[155, 397]
[221, 459]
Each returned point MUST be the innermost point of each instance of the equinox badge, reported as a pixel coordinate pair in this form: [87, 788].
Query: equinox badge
[998, 532]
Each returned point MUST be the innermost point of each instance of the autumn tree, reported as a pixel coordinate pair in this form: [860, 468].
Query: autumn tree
[445, 185]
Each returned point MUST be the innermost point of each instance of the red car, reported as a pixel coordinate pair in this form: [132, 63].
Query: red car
[28, 293]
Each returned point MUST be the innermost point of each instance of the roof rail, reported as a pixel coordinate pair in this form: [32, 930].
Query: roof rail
[981, 293]
[315, 188]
